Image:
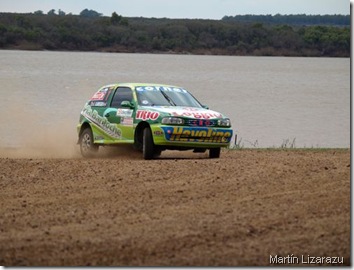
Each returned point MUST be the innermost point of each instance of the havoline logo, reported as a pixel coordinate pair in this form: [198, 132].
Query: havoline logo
[189, 134]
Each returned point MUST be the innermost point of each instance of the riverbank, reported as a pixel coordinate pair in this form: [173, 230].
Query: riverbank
[183, 209]
[186, 36]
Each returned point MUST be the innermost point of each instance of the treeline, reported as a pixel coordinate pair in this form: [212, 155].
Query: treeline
[298, 19]
[84, 32]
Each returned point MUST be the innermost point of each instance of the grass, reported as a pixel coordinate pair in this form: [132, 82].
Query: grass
[287, 144]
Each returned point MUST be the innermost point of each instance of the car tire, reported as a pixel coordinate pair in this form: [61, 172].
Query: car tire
[157, 153]
[87, 148]
[214, 152]
[148, 144]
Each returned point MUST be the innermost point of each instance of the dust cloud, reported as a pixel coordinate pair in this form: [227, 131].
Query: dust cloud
[45, 143]
[34, 133]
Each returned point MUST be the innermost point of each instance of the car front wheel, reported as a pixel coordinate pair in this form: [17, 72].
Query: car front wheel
[87, 147]
[148, 144]
[214, 152]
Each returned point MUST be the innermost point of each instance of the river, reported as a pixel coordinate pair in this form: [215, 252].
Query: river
[272, 101]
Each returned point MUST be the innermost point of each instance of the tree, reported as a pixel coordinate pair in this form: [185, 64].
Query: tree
[61, 13]
[115, 19]
[51, 12]
[90, 13]
[38, 12]
[118, 20]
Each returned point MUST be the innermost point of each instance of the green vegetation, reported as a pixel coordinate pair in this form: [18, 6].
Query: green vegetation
[299, 19]
[90, 31]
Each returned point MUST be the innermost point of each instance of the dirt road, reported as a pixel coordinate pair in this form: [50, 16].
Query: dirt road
[245, 208]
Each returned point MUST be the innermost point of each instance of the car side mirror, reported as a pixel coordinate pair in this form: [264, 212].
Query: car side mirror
[127, 104]
[205, 107]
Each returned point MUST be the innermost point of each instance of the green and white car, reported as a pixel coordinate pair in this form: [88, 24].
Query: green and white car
[153, 118]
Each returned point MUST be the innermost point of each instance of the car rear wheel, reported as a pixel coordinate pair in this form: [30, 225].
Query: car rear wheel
[214, 152]
[87, 147]
[148, 144]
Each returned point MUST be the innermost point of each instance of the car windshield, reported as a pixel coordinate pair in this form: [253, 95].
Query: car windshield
[165, 96]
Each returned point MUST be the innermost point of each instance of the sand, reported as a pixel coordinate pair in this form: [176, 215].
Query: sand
[181, 210]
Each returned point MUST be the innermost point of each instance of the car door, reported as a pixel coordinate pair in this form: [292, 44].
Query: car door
[120, 115]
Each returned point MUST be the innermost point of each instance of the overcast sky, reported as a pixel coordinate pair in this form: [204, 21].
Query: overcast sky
[204, 9]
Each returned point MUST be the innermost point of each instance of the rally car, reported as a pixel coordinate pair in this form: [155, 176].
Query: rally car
[152, 117]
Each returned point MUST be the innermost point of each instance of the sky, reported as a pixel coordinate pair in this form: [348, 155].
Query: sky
[201, 9]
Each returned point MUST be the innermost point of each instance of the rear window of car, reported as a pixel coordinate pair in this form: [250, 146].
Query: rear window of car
[99, 99]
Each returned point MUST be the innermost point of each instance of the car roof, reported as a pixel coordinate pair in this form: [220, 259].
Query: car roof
[133, 85]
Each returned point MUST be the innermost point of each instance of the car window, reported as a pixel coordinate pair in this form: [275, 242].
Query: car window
[121, 94]
[99, 99]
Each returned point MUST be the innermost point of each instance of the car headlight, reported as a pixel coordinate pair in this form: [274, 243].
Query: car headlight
[224, 122]
[172, 121]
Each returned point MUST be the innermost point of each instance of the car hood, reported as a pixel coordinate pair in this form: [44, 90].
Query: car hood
[189, 112]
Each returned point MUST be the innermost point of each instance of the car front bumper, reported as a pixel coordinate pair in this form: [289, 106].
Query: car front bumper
[187, 136]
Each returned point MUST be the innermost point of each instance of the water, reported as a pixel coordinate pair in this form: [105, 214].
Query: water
[270, 100]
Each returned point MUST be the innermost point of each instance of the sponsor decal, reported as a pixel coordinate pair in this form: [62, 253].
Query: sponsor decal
[160, 88]
[101, 122]
[124, 112]
[102, 94]
[126, 121]
[158, 133]
[197, 115]
[189, 134]
[98, 103]
[98, 96]
[147, 115]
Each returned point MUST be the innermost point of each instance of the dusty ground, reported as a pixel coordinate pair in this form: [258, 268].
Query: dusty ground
[189, 211]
